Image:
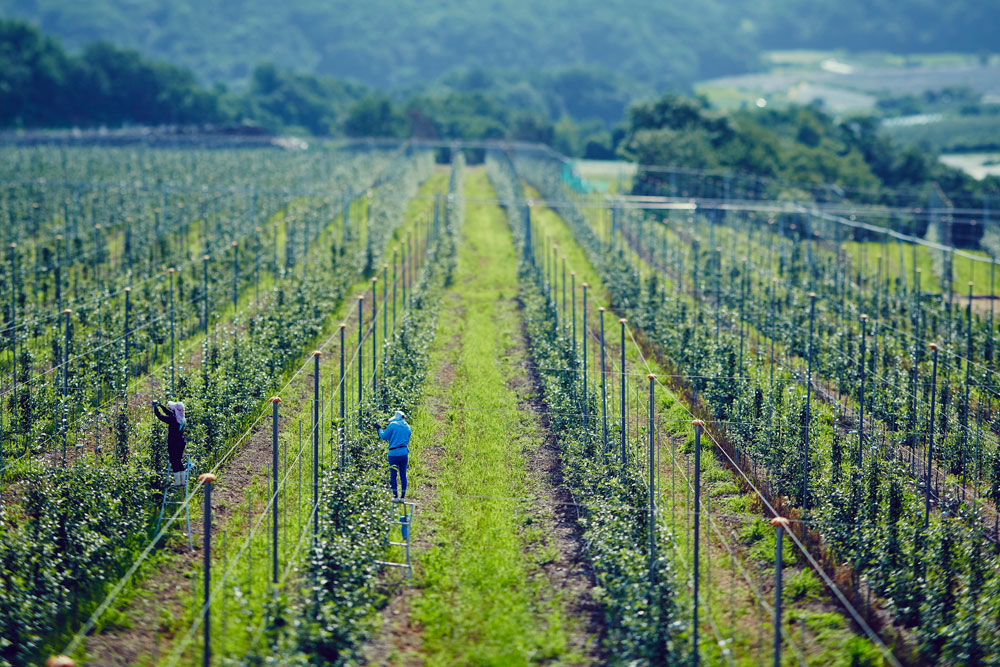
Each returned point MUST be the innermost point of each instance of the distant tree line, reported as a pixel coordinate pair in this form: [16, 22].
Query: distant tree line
[41, 85]
[800, 144]
[404, 43]
[795, 147]
[395, 44]
[44, 86]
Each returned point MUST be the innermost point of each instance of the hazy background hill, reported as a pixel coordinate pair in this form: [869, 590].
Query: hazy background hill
[899, 26]
[398, 43]
[403, 42]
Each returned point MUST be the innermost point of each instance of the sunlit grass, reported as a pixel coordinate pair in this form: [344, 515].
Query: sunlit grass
[482, 598]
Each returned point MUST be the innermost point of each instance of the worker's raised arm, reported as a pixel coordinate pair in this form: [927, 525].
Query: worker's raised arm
[162, 414]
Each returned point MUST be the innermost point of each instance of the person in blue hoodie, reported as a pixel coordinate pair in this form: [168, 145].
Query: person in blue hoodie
[397, 434]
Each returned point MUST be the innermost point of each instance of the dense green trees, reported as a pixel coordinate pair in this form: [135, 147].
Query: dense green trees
[279, 98]
[31, 71]
[42, 85]
[394, 43]
[799, 144]
[405, 42]
[910, 26]
[374, 116]
[457, 115]
[578, 91]
[793, 146]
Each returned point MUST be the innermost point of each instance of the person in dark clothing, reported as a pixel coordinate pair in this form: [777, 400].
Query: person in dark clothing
[397, 434]
[175, 420]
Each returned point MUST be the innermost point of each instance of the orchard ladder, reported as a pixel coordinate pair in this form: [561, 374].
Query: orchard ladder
[405, 524]
[173, 496]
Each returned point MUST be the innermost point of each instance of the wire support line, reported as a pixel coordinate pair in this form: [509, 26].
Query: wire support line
[118, 291]
[223, 244]
[37, 376]
[789, 286]
[250, 309]
[133, 386]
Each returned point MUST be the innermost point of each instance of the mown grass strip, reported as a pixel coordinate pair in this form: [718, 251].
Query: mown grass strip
[484, 600]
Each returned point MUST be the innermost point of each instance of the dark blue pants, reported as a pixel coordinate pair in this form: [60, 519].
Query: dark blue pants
[398, 464]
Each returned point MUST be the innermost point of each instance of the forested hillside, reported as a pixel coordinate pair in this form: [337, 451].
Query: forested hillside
[42, 85]
[390, 43]
[399, 42]
[907, 26]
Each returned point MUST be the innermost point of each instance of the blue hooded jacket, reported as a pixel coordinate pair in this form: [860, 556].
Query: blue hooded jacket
[397, 434]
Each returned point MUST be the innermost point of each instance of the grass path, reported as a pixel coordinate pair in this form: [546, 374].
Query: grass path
[494, 583]
[399, 639]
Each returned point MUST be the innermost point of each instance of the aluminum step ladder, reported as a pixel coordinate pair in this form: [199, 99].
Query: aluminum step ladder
[172, 497]
[405, 525]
